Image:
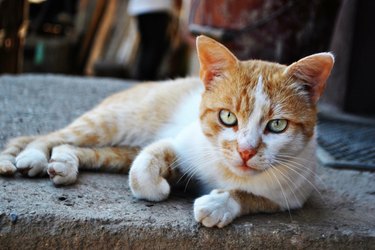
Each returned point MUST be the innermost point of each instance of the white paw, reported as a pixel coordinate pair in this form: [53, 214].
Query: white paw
[216, 209]
[31, 162]
[7, 167]
[63, 172]
[63, 166]
[145, 180]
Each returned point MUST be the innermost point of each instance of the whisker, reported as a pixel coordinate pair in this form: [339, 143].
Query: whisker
[288, 180]
[312, 185]
[192, 163]
[180, 161]
[188, 181]
[282, 191]
[295, 158]
[295, 164]
[186, 174]
[303, 168]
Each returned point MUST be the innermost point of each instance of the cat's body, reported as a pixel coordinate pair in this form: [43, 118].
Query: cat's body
[246, 134]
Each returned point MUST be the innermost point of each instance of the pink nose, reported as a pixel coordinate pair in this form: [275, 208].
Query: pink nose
[247, 154]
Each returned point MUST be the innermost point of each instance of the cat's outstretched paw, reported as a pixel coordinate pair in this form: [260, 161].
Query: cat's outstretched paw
[7, 168]
[31, 162]
[145, 180]
[62, 173]
[216, 209]
[63, 166]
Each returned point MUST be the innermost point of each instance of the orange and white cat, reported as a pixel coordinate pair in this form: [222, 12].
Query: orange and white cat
[245, 131]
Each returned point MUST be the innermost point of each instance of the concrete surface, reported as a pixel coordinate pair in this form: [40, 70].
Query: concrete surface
[99, 212]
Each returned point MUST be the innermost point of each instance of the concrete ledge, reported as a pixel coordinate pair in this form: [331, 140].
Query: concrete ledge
[99, 212]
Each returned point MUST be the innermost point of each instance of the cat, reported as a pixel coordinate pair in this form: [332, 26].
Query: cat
[245, 131]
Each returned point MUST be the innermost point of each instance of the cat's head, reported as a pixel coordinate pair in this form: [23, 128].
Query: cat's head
[254, 112]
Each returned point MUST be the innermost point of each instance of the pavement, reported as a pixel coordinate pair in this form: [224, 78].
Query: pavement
[99, 212]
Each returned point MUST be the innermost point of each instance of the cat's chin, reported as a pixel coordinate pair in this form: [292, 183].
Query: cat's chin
[243, 169]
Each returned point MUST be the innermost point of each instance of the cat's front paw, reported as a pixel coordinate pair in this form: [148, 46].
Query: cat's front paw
[7, 168]
[145, 180]
[63, 173]
[216, 209]
[31, 162]
[63, 166]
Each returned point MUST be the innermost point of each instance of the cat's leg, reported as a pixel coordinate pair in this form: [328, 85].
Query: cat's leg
[151, 171]
[11, 150]
[90, 130]
[66, 159]
[33, 160]
[221, 207]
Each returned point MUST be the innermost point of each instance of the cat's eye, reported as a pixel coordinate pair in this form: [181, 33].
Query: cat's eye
[277, 125]
[227, 118]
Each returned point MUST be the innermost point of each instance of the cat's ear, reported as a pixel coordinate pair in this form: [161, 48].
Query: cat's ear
[215, 59]
[313, 70]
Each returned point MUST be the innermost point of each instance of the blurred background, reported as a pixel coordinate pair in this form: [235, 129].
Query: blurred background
[155, 39]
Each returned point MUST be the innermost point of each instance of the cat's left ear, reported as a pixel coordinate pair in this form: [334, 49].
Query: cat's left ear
[214, 58]
[314, 71]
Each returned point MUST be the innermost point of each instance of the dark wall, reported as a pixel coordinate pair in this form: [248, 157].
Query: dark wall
[360, 94]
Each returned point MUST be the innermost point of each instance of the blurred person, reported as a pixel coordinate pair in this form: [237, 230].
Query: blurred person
[153, 19]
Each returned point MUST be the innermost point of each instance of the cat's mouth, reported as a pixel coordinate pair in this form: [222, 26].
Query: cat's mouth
[244, 167]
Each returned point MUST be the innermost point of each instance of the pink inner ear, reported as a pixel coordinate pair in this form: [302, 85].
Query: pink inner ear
[207, 76]
[314, 70]
[214, 59]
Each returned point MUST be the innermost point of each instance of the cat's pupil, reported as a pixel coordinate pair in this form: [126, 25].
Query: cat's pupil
[227, 118]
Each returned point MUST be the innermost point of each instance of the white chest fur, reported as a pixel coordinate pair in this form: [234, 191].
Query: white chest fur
[183, 115]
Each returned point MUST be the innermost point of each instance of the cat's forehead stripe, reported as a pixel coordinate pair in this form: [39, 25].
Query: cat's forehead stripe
[250, 134]
[259, 87]
[261, 101]
[246, 103]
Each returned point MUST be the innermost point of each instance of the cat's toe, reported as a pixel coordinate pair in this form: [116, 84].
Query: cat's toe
[62, 173]
[145, 180]
[31, 162]
[216, 209]
[7, 168]
[145, 188]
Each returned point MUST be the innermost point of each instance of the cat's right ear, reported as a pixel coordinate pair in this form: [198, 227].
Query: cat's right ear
[313, 70]
[214, 58]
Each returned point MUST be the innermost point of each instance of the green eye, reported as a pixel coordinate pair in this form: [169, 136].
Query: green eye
[227, 118]
[277, 125]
